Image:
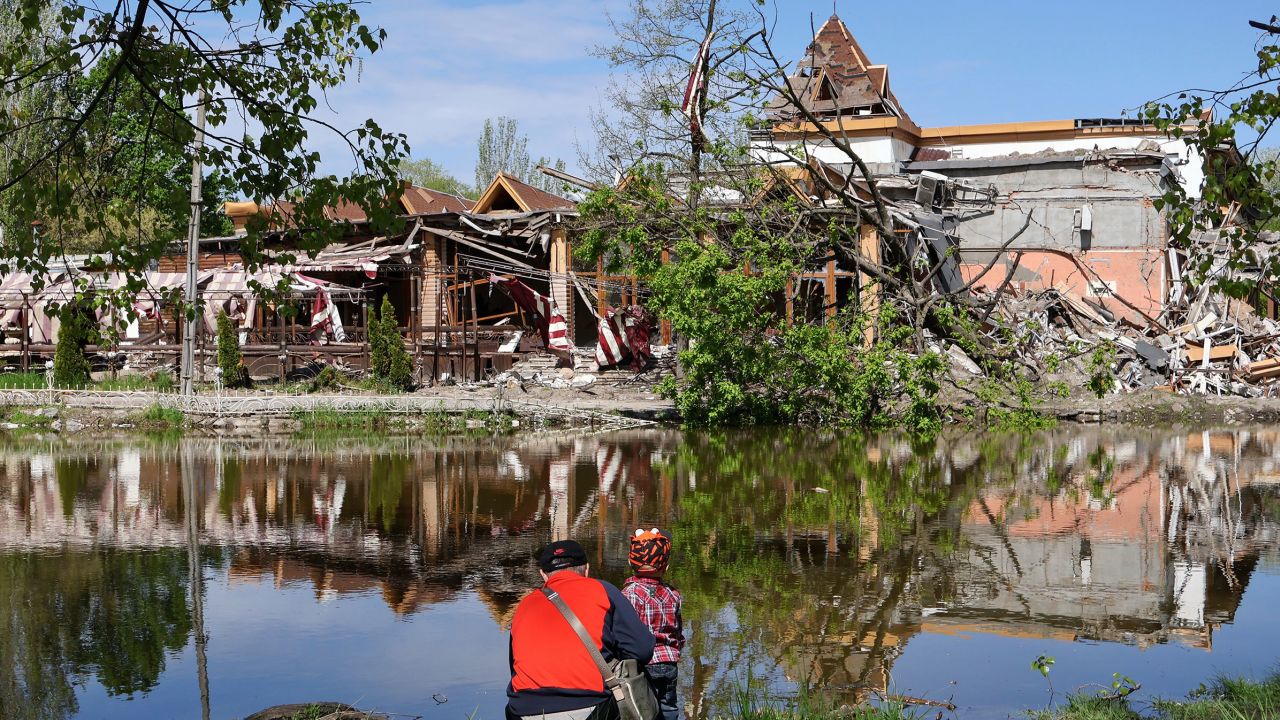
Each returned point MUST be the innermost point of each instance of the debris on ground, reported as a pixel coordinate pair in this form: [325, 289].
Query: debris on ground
[1202, 342]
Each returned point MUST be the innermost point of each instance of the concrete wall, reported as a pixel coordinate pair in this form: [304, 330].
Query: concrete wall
[871, 150]
[1138, 276]
[1189, 163]
[1123, 253]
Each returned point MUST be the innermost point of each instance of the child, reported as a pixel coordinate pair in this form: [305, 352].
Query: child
[658, 605]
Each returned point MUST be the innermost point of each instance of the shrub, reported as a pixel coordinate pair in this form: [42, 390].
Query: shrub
[389, 363]
[327, 379]
[159, 417]
[234, 374]
[1102, 379]
[70, 365]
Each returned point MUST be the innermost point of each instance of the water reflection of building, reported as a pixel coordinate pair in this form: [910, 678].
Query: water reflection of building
[413, 523]
[1139, 546]
[820, 555]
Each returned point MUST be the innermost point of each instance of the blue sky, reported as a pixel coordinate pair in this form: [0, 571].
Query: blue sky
[448, 64]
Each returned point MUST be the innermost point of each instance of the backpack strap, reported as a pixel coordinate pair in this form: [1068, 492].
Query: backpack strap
[605, 673]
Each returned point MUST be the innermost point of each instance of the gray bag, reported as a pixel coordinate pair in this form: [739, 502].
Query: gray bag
[623, 678]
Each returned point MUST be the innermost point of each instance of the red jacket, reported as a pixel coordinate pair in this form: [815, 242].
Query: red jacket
[551, 671]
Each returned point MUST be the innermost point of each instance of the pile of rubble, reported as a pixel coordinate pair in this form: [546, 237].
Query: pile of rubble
[1204, 343]
[548, 371]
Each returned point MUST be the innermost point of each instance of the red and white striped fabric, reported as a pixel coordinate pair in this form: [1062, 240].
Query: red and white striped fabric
[696, 89]
[613, 345]
[608, 468]
[546, 315]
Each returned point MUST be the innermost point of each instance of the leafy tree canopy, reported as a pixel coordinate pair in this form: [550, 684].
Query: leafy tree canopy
[1229, 128]
[503, 148]
[425, 172]
[97, 130]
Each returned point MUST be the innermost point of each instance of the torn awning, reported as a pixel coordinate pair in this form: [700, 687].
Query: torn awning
[624, 335]
[233, 291]
[546, 316]
[366, 257]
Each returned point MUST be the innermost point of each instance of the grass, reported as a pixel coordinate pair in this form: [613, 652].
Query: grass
[434, 422]
[327, 419]
[1083, 707]
[1222, 699]
[747, 706]
[34, 380]
[30, 419]
[22, 381]
[159, 417]
[1227, 699]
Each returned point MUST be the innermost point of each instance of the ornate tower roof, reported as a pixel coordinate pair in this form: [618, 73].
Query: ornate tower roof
[835, 78]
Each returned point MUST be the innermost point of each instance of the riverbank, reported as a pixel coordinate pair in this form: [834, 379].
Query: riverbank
[447, 409]
[507, 407]
[1220, 699]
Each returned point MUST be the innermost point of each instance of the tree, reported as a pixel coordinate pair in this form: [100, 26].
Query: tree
[503, 148]
[655, 43]
[708, 223]
[70, 365]
[1219, 229]
[425, 172]
[234, 374]
[256, 67]
[1271, 185]
[390, 365]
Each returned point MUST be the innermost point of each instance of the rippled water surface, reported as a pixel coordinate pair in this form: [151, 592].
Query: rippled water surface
[204, 578]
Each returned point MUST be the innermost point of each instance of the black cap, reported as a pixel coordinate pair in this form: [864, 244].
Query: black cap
[560, 555]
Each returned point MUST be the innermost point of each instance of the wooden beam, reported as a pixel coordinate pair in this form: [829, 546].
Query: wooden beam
[830, 282]
[868, 288]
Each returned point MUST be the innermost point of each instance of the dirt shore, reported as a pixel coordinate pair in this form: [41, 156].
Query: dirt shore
[471, 408]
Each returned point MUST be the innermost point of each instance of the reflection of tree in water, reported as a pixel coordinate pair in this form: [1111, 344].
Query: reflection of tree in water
[72, 475]
[808, 557]
[387, 477]
[814, 556]
[801, 546]
[229, 490]
[113, 615]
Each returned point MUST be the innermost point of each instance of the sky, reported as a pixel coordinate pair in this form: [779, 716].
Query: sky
[449, 64]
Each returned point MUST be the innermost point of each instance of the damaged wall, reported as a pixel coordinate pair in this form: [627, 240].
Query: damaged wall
[1085, 224]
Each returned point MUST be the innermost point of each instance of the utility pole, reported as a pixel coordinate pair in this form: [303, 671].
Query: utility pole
[193, 255]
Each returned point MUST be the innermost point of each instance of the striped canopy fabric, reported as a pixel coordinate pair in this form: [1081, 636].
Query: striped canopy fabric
[624, 335]
[546, 315]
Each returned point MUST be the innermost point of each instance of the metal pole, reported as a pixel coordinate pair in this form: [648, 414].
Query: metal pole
[195, 574]
[475, 325]
[193, 254]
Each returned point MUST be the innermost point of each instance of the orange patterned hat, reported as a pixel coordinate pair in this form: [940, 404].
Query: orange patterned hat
[650, 549]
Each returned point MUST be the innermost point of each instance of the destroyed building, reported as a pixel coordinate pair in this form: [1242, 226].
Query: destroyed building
[1061, 216]
[453, 269]
[1062, 204]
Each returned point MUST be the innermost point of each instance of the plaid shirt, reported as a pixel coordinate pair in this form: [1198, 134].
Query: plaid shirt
[658, 605]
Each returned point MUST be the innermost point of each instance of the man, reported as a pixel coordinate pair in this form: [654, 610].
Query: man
[552, 674]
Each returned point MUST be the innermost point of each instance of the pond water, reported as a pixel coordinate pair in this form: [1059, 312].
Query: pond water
[201, 578]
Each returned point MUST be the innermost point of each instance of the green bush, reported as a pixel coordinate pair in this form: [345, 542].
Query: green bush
[70, 365]
[234, 374]
[159, 417]
[390, 366]
[327, 379]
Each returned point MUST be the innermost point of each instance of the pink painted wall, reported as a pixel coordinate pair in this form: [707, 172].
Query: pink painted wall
[1138, 275]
